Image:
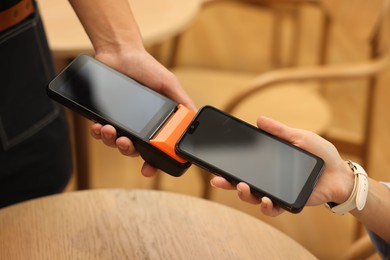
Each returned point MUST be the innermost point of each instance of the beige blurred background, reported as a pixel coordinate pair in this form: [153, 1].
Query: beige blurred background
[204, 44]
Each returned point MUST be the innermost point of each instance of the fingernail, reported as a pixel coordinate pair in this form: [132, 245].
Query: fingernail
[263, 205]
[122, 147]
[239, 190]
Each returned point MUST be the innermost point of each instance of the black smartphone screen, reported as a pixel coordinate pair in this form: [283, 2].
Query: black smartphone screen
[238, 151]
[113, 97]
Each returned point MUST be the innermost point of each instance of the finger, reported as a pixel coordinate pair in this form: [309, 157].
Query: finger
[278, 129]
[244, 193]
[304, 139]
[172, 88]
[147, 170]
[96, 131]
[108, 135]
[221, 183]
[274, 127]
[126, 147]
[165, 82]
[181, 96]
[268, 209]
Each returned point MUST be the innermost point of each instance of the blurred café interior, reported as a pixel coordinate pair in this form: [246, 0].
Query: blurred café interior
[320, 65]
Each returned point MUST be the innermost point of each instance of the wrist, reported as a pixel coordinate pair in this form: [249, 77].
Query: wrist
[347, 183]
[119, 50]
[357, 199]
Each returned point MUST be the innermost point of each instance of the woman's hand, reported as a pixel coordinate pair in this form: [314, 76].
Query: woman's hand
[335, 184]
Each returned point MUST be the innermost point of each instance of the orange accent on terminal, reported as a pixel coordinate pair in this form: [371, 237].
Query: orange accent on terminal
[169, 134]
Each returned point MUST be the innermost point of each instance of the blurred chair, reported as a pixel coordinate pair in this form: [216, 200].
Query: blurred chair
[281, 12]
[286, 92]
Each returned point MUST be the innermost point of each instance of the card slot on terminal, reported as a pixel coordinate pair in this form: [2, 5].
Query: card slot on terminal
[167, 137]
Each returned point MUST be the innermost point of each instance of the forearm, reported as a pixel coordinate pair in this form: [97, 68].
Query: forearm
[376, 213]
[110, 25]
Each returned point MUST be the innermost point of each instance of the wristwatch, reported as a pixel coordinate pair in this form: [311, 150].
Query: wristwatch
[358, 197]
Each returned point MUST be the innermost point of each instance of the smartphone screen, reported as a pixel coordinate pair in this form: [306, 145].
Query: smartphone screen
[239, 151]
[113, 97]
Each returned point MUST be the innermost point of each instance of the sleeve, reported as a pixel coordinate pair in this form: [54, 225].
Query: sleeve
[386, 184]
[381, 246]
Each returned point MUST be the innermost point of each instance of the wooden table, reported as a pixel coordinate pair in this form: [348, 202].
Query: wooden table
[158, 20]
[137, 224]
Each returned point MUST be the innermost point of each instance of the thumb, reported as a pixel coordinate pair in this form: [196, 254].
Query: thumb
[278, 129]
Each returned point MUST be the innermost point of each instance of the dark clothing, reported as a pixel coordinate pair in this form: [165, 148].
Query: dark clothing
[36, 167]
[5, 4]
[381, 246]
[35, 157]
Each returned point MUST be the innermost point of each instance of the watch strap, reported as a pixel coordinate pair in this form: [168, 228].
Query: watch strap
[362, 191]
[358, 197]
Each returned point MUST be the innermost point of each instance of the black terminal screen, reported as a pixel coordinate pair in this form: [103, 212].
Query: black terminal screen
[114, 97]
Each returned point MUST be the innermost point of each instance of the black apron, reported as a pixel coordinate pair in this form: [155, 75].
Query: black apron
[35, 157]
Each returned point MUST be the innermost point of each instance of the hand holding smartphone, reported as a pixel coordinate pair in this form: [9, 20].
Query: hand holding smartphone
[104, 95]
[171, 137]
[240, 152]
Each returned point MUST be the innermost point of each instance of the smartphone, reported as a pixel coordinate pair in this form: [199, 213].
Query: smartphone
[240, 152]
[104, 95]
